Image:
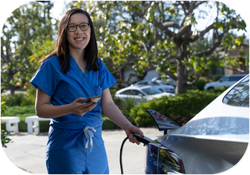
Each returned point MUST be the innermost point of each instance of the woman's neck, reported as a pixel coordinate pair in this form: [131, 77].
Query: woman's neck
[78, 55]
[79, 58]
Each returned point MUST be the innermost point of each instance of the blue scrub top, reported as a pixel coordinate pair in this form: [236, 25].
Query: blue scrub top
[65, 88]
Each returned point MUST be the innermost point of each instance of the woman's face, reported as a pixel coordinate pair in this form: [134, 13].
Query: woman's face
[78, 39]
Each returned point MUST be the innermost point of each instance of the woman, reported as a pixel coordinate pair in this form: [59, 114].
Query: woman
[67, 76]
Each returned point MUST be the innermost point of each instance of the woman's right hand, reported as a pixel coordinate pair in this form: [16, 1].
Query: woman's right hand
[79, 108]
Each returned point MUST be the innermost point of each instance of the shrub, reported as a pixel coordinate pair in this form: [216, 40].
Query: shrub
[18, 99]
[4, 134]
[184, 106]
[108, 124]
[200, 84]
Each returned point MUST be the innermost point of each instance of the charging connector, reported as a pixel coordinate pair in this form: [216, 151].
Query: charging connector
[144, 140]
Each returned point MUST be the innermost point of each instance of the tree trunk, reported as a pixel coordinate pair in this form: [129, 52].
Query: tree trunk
[181, 84]
[12, 89]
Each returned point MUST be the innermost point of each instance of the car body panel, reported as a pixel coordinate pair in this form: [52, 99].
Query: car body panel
[205, 156]
[211, 142]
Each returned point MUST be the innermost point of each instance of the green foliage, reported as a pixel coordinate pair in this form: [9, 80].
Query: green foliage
[138, 39]
[200, 84]
[27, 25]
[4, 138]
[185, 105]
[3, 106]
[4, 134]
[18, 99]
[108, 124]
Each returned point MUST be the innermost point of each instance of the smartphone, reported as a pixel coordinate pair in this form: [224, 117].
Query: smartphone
[93, 99]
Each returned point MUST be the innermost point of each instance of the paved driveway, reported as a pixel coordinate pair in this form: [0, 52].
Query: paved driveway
[28, 151]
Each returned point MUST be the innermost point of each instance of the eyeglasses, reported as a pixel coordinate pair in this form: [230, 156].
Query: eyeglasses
[83, 26]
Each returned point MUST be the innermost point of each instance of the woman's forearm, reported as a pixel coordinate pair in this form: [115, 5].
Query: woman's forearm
[50, 111]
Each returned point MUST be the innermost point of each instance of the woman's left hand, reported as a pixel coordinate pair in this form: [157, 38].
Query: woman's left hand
[133, 130]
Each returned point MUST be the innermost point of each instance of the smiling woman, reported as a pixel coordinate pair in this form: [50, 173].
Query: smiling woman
[66, 78]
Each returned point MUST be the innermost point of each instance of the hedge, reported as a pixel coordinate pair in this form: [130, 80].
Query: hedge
[180, 108]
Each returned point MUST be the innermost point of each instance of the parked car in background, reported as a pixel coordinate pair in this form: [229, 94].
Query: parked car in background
[143, 94]
[167, 80]
[227, 80]
[212, 142]
[158, 85]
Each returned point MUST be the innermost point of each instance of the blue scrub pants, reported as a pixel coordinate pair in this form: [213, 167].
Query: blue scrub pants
[67, 153]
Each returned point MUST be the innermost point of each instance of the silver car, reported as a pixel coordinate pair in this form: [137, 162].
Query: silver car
[212, 142]
[158, 85]
[141, 94]
[227, 80]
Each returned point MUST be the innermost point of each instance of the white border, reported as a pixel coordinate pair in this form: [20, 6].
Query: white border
[22, 2]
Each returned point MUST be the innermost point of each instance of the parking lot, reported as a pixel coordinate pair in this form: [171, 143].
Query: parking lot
[27, 152]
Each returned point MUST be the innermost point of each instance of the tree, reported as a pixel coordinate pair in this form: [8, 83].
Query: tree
[29, 24]
[161, 35]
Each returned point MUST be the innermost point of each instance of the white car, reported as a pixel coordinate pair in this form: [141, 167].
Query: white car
[227, 80]
[211, 142]
[166, 80]
[143, 94]
[158, 85]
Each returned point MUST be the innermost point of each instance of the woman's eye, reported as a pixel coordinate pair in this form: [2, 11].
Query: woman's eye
[83, 25]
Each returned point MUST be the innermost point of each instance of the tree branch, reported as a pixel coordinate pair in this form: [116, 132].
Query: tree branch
[213, 47]
[196, 79]
[202, 33]
[163, 28]
[171, 24]
[236, 69]
[171, 75]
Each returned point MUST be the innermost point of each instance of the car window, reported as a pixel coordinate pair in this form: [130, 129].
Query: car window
[235, 78]
[143, 83]
[239, 95]
[136, 92]
[151, 91]
[155, 83]
[224, 79]
[127, 92]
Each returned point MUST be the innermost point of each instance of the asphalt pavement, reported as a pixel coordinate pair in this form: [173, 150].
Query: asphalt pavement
[27, 151]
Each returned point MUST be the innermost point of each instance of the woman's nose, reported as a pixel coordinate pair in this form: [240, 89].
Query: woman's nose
[78, 30]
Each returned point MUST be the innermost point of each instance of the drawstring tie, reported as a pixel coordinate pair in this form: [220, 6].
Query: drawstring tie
[88, 134]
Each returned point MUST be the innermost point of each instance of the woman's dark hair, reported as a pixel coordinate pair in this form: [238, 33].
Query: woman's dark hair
[62, 49]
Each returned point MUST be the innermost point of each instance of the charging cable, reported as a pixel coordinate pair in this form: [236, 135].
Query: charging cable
[144, 140]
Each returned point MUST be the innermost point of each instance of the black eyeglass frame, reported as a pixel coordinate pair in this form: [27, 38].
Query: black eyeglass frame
[79, 26]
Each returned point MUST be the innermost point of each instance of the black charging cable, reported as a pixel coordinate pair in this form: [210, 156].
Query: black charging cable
[144, 140]
[121, 154]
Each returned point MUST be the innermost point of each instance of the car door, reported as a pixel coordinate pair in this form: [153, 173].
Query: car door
[126, 94]
[137, 94]
[224, 81]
